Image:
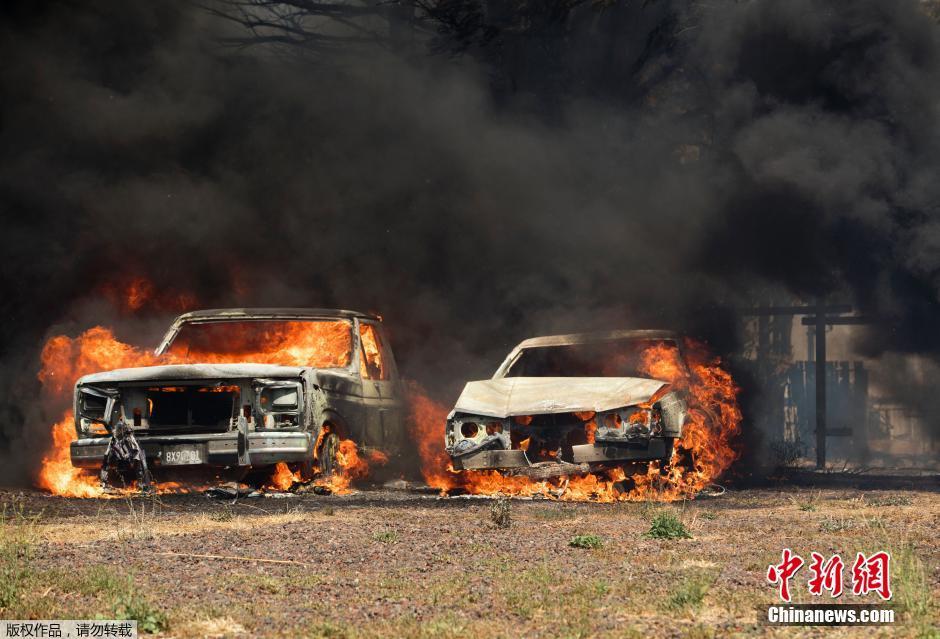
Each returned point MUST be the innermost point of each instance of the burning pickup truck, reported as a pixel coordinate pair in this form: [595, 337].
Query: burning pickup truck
[249, 388]
[569, 404]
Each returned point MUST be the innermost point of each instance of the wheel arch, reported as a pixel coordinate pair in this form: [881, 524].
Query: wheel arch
[336, 422]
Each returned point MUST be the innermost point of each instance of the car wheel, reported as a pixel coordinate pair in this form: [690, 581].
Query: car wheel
[328, 454]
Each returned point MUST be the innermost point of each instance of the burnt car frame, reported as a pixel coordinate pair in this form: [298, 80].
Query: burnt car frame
[247, 415]
[523, 421]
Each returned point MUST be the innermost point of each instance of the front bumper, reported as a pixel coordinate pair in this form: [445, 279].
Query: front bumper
[599, 453]
[217, 449]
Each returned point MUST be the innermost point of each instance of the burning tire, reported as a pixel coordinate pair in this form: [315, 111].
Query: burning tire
[328, 455]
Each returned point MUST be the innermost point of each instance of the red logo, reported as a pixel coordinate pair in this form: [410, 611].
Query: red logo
[872, 575]
[781, 574]
[826, 576]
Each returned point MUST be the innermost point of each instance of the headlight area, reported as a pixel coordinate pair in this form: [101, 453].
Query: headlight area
[280, 404]
[91, 406]
[629, 424]
[469, 433]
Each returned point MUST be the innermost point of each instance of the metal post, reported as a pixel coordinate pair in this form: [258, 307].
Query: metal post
[820, 384]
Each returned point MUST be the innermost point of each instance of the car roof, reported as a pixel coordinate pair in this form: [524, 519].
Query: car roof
[271, 313]
[600, 336]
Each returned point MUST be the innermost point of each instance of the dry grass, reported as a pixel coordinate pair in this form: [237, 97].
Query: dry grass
[425, 568]
[146, 522]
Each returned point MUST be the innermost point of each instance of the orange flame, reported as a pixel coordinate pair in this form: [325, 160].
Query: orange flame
[706, 448]
[57, 475]
[283, 478]
[426, 424]
[351, 467]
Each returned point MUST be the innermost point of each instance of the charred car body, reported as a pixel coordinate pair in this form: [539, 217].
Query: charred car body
[221, 402]
[567, 404]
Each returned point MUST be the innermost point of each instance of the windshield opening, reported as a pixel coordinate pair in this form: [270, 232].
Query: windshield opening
[315, 343]
[612, 358]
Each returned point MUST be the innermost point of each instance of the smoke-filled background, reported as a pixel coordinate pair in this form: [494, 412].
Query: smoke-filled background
[477, 171]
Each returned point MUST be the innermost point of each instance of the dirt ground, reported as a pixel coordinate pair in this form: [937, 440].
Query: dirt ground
[404, 562]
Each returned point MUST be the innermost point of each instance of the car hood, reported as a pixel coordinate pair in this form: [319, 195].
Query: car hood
[510, 396]
[180, 372]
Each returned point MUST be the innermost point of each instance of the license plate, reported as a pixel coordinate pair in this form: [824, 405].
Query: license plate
[182, 455]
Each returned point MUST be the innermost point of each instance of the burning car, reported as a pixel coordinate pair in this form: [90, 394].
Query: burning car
[249, 388]
[569, 404]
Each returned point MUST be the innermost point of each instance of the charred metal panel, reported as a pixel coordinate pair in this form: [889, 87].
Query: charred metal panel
[591, 453]
[492, 459]
[674, 413]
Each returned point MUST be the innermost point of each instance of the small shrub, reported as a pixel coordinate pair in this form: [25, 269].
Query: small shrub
[501, 512]
[586, 541]
[134, 607]
[665, 525]
[709, 515]
[805, 502]
[386, 536]
[329, 511]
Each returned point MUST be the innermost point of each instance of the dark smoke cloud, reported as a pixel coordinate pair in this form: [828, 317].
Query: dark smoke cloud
[760, 147]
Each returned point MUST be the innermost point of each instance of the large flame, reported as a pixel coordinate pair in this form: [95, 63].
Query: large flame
[703, 453]
[57, 474]
[426, 425]
[706, 448]
[64, 359]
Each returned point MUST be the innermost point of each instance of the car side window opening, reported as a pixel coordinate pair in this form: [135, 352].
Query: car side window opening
[372, 364]
[614, 358]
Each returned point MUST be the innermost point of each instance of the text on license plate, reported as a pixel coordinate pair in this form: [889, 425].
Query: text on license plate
[182, 455]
